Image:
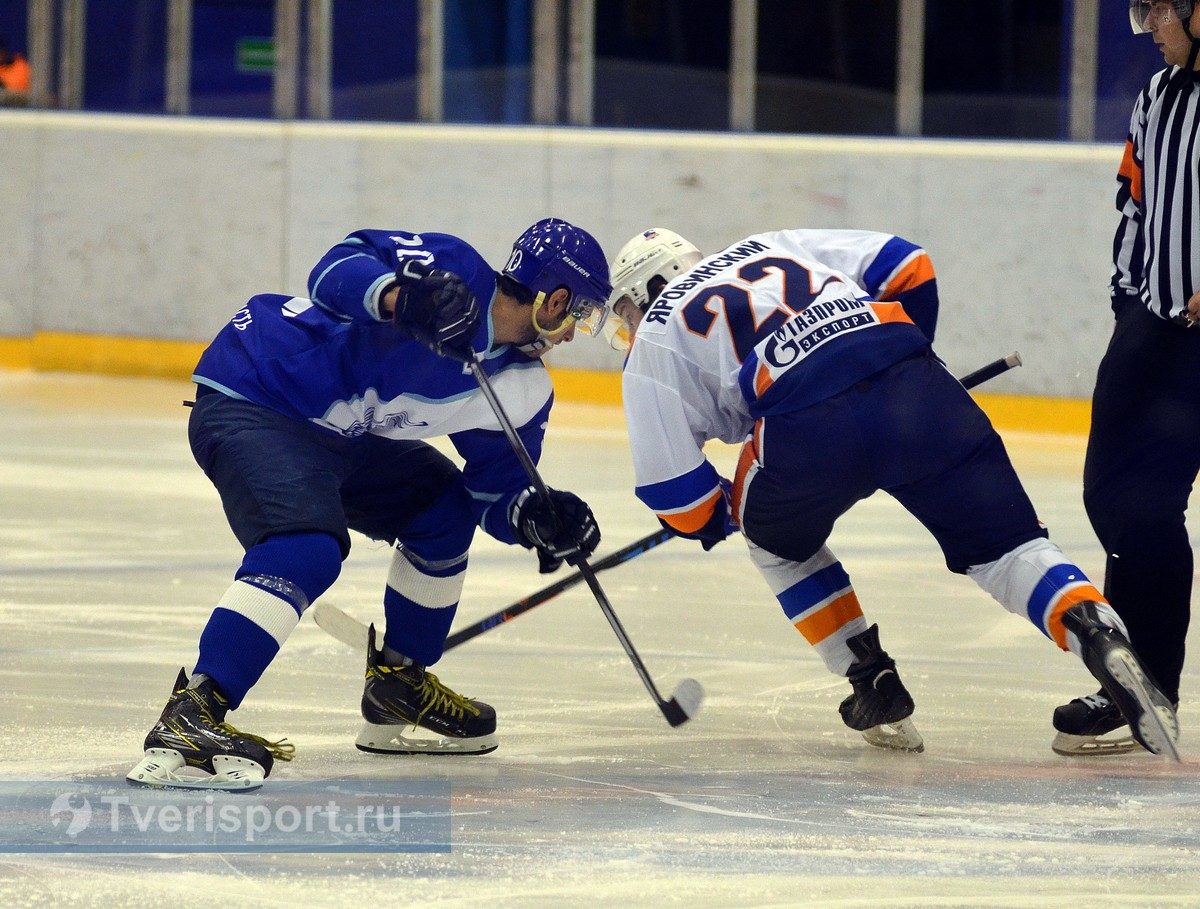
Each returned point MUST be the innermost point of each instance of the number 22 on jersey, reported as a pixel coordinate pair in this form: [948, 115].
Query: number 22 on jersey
[746, 326]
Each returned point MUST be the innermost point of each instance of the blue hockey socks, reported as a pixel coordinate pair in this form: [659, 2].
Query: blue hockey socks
[420, 602]
[276, 582]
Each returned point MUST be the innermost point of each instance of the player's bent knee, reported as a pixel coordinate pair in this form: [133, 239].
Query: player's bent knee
[311, 561]
[445, 528]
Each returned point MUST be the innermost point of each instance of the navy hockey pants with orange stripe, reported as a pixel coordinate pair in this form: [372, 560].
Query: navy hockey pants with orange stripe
[911, 430]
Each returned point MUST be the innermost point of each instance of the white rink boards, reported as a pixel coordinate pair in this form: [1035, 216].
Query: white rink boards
[113, 550]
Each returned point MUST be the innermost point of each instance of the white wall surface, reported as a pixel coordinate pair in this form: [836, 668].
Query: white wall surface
[162, 227]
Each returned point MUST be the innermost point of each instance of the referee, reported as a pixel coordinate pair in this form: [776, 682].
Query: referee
[1143, 451]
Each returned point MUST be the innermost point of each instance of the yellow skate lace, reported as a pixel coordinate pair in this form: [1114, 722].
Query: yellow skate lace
[434, 694]
[282, 750]
[437, 696]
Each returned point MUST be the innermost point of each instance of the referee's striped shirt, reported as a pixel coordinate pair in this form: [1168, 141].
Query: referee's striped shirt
[1156, 251]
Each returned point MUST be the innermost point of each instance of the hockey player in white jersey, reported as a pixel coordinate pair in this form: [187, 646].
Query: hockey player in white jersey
[812, 348]
[310, 418]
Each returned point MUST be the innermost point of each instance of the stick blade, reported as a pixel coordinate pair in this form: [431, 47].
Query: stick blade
[686, 702]
[341, 626]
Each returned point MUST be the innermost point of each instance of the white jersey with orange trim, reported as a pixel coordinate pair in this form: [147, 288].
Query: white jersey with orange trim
[775, 322]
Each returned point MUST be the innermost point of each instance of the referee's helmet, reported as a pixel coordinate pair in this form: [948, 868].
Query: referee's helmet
[1139, 13]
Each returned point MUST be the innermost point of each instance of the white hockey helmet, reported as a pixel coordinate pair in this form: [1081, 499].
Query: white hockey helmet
[655, 253]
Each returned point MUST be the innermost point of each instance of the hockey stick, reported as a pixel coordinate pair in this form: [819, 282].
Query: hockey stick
[993, 369]
[646, 543]
[508, 613]
[353, 633]
[350, 631]
[688, 696]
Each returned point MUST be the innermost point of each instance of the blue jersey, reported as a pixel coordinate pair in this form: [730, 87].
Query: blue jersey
[330, 360]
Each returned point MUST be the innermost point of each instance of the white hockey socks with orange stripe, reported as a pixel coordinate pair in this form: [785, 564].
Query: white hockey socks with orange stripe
[818, 598]
[1036, 581]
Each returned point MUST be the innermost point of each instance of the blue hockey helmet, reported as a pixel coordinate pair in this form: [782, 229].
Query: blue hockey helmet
[552, 254]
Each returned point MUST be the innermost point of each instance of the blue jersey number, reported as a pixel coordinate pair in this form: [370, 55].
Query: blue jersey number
[702, 310]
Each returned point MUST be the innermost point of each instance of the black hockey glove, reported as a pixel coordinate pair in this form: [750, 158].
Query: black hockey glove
[437, 308]
[563, 528]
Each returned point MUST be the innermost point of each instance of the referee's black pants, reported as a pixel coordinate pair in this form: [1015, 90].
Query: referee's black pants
[1143, 455]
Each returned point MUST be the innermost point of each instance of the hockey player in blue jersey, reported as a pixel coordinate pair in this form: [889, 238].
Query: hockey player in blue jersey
[309, 420]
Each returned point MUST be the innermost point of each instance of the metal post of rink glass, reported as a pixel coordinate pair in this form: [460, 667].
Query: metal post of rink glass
[689, 695]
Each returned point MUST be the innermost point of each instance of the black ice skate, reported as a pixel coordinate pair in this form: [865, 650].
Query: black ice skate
[880, 706]
[1083, 727]
[1109, 657]
[408, 711]
[192, 747]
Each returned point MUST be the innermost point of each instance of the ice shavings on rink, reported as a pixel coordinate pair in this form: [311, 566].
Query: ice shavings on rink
[114, 551]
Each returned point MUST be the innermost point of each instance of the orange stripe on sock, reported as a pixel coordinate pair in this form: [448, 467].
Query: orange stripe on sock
[1071, 598]
[821, 624]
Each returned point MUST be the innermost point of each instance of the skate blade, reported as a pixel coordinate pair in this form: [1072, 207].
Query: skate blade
[1092, 745]
[1157, 726]
[383, 739]
[901, 735]
[165, 768]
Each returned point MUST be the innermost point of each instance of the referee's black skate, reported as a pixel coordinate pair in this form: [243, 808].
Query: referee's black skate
[408, 711]
[192, 747]
[880, 707]
[1110, 658]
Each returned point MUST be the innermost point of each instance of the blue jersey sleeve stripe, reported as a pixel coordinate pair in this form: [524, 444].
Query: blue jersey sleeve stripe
[493, 475]
[893, 254]
[334, 314]
[680, 493]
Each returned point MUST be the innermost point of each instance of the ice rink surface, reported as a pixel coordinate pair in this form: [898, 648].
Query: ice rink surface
[113, 551]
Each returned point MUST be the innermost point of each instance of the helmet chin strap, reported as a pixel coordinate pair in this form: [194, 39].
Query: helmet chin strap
[545, 338]
[1185, 21]
[1188, 71]
[550, 334]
